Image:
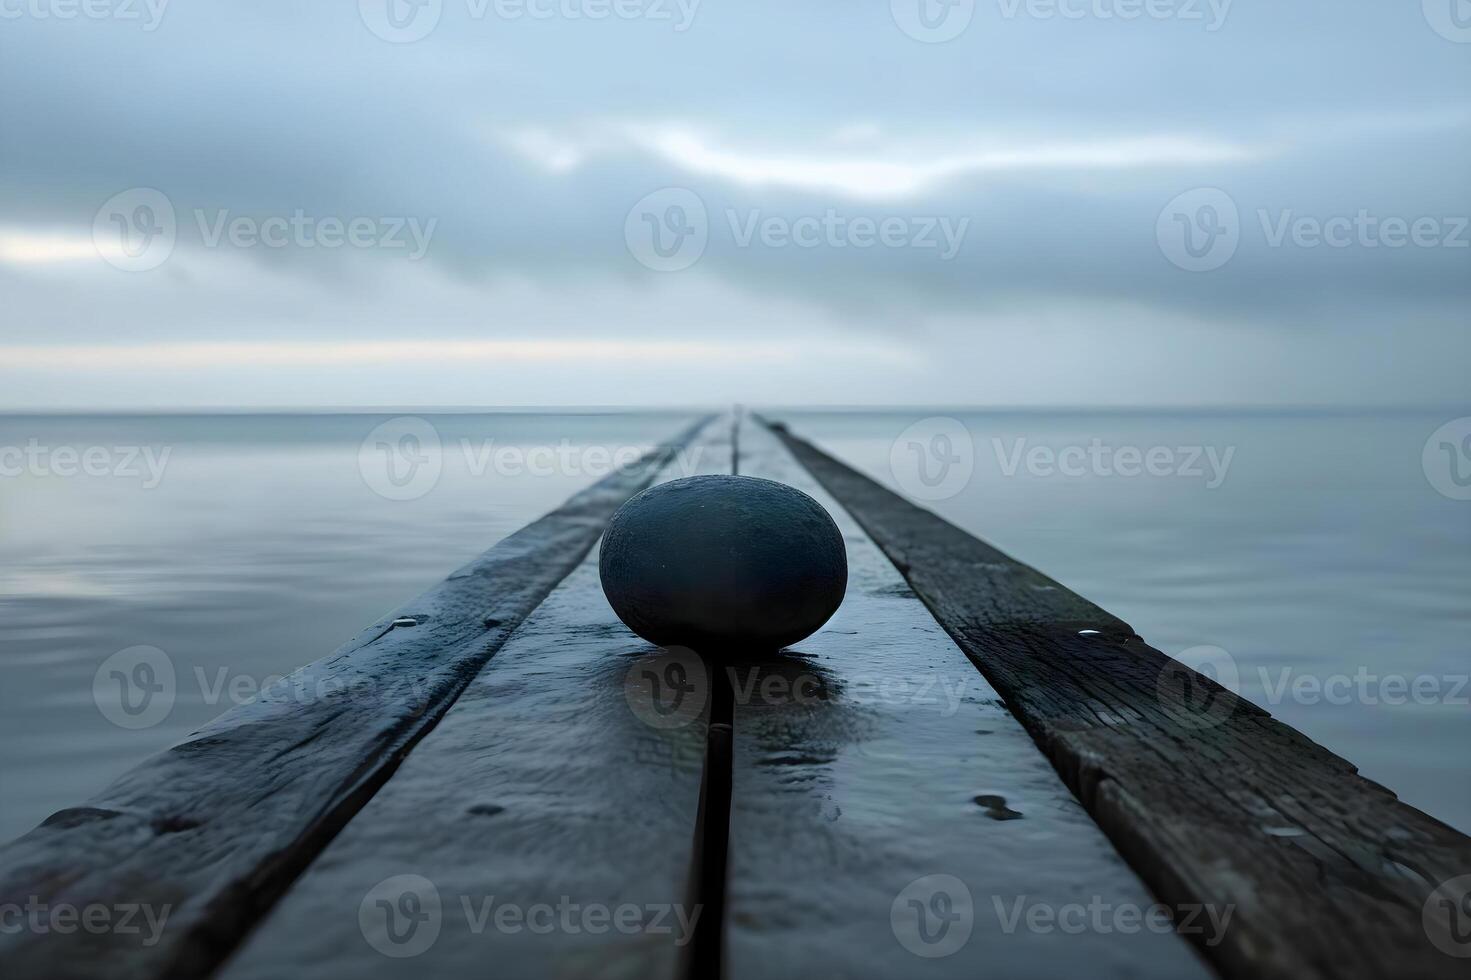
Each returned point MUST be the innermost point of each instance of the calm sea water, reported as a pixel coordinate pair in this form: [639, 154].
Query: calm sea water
[1323, 563]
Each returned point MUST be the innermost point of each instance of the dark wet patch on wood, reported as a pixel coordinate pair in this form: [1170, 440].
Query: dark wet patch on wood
[485, 810]
[996, 808]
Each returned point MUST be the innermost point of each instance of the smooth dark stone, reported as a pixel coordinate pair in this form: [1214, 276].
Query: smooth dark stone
[723, 564]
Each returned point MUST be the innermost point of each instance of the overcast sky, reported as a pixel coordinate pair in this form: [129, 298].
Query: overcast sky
[565, 202]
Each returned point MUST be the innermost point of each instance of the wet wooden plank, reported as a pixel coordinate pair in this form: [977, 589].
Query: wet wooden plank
[891, 819]
[1212, 801]
[209, 833]
[551, 784]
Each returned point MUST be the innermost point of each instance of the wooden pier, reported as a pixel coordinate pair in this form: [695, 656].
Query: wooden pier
[966, 739]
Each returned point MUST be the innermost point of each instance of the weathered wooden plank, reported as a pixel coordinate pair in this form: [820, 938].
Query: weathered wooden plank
[880, 782]
[541, 789]
[210, 832]
[1212, 801]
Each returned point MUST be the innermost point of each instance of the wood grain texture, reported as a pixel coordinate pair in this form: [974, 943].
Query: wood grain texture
[541, 789]
[879, 779]
[213, 830]
[1211, 800]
